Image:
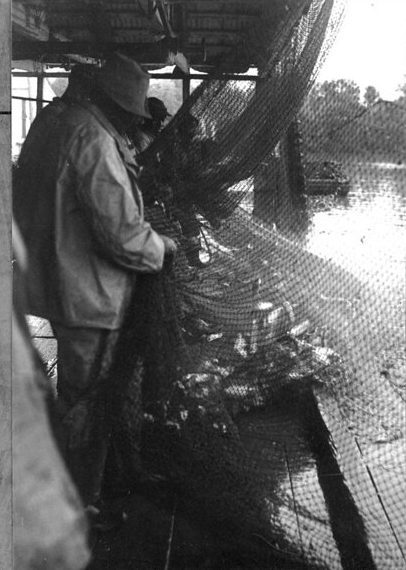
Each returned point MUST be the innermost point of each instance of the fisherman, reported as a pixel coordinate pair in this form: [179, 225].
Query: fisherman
[80, 83]
[186, 137]
[160, 181]
[146, 133]
[81, 215]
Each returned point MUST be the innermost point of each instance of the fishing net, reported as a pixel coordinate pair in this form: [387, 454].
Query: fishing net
[261, 369]
[251, 349]
[266, 367]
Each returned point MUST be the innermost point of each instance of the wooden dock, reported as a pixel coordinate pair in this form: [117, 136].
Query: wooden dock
[378, 496]
[341, 500]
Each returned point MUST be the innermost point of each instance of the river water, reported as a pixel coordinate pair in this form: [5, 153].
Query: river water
[365, 234]
[366, 231]
[352, 272]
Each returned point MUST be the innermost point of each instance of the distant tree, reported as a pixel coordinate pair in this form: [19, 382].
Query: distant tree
[402, 89]
[402, 97]
[329, 107]
[371, 95]
[336, 123]
[347, 92]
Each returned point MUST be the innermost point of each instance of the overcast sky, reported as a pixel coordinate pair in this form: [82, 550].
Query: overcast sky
[371, 46]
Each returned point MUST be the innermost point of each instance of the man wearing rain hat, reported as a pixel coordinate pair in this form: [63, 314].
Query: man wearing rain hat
[81, 215]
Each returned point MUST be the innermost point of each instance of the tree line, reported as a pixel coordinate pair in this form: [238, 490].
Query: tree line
[338, 121]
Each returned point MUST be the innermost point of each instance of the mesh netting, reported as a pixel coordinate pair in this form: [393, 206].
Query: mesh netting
[272, 362]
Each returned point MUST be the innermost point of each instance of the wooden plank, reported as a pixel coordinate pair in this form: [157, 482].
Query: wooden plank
[381, 540]
[5, 241]
[5, 53]
[276, 442]
[386, 465]
[384, 451]
[5, 292]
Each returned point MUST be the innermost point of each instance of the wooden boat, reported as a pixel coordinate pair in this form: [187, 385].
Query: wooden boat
[325, 186]
[325, 178]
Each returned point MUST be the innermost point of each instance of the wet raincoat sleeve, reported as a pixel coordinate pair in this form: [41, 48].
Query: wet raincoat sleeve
[108, 194]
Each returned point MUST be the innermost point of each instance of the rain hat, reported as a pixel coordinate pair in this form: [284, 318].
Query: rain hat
[126, 83]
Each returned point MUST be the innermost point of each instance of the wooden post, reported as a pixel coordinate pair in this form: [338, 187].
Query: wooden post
[279, 186]
[24, 119]
[6, 516]
[295, 160]
[265, 179]
[185, 88]
[40, 92]
[266, 184]
[279, 183]
[292, 216]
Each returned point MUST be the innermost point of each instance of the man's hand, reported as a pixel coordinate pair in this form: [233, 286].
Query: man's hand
[170, 251]
[170, 245]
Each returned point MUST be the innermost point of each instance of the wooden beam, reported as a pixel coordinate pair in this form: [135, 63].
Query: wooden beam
[31, 99]
[198, 76]
[224, 14]
[209, 3]
[348, 524]
[151, 53]
[5, 52]
[147, 54]
[6, 515]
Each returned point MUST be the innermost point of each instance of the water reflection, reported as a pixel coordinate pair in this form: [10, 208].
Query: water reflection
[365, 232]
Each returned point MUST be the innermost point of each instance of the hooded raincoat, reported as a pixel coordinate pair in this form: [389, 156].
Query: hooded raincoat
[81, 215]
